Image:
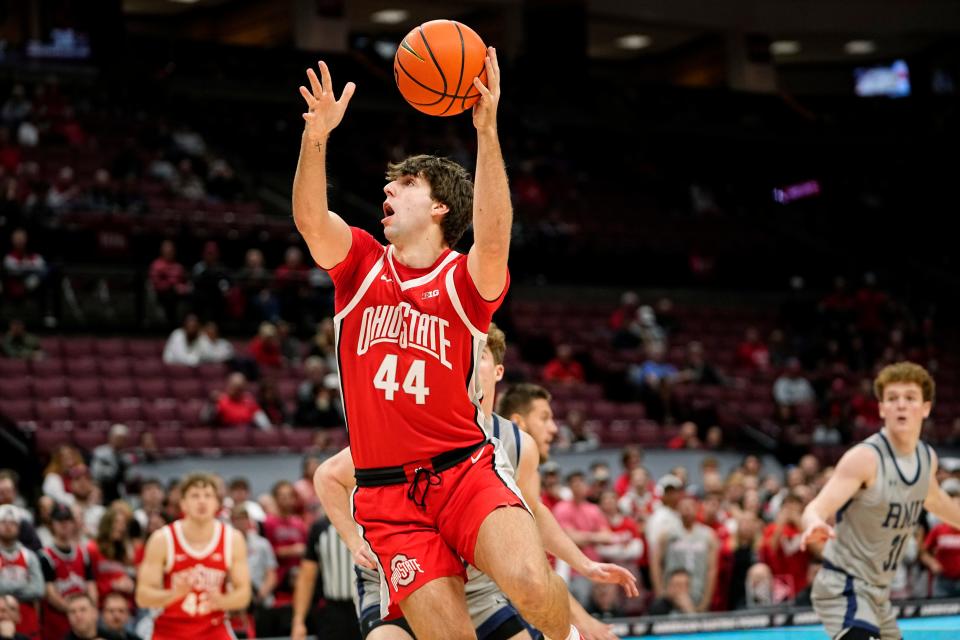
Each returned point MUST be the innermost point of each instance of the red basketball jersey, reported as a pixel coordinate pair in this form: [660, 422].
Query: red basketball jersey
[106, 571]
[71, 571]
[206, 569]
[14, 574]
[408, 345]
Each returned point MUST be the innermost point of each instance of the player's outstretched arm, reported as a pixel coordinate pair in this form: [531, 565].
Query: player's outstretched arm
[555, 539]
[938, 502]
[326, 234]
[238, 597]
[150, 593]
[492, 211]
[856, 469]
[333, 481]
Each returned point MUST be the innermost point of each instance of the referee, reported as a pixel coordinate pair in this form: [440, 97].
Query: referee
[336, 617]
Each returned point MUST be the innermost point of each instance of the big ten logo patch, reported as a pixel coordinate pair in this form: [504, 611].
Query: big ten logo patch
[403, 570]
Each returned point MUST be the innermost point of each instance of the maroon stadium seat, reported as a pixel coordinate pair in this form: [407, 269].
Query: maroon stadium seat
[52, 387]
[151, 388]
[15, 387]
[125, 411]
[211, 371]
[9, 367]
[187, 389]
[89, 439]
[78, 347]
[89, 411]
[195, 438]
[116, 388]
[114, 367]
[81, 366]
[234, 439]
[50, 366]
[57, 409]
[298, 439]
[287, 389]
[110, 348]
[52, 346]
[17, 409]
[189, 411]
[267, 440]
[147, 368]
[145, 349]
[160, 411]
[168, 439]
[83, 388]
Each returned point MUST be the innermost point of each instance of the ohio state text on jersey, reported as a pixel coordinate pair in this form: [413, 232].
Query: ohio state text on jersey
[408, 345]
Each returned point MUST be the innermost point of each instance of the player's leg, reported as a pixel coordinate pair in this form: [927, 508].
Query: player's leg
[438, 609]
[373, 628]
[491, 613]
[509, 550]
[845, 610]
[886, 619]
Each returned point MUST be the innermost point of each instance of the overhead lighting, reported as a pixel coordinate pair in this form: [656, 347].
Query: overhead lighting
[389, 16]
[185, 1]
[860, 47]
[634, 41]
[784, 47]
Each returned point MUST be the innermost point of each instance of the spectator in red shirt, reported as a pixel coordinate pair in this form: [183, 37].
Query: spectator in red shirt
[25, 271]
[553, 490]
[169, 281]
[235, 406]
[864, 404]
[941, 551]
[629, 549]
[111, 554]
[752, 353]
[780, 547]
[287, 534]
[639, 501]
[686, 439]
[711, 516]
[631, 457]
[265, 347]
[563, 368]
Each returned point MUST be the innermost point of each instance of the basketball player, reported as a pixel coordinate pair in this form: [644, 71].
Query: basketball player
[410, 323]
[187, 565]
[66, 570]
[492, 616]
[878, 491]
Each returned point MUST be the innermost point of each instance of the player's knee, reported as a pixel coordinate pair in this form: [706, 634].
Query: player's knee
[528, 585]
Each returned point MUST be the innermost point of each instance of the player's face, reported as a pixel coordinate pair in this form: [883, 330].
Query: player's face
[408, 209]
[539, 423]
[200, 502]
[903, 409]
[490, 373]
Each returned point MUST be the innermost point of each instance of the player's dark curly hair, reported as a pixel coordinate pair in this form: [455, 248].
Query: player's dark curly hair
[450, 184]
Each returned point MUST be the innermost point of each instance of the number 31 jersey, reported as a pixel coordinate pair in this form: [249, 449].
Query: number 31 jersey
[408, 347]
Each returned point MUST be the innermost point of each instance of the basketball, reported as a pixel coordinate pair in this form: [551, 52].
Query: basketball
[435, 65]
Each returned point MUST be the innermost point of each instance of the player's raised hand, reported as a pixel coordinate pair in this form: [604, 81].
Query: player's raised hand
[613, 574]
[324, 110]
[485, 110]
[817, 533]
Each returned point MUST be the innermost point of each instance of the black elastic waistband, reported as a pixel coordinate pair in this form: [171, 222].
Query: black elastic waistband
[384, 476]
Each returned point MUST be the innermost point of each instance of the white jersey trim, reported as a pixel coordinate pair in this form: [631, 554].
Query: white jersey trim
[455, 299]
[367, 281]
[198, 554]
[168, 536]
[422, 280]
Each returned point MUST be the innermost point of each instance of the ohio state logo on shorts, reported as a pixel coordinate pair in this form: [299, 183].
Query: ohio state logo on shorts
[403, 570]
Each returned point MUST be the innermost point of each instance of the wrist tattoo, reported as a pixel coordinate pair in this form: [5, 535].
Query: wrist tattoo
[318, 146]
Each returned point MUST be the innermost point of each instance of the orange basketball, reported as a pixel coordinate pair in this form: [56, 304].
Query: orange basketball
[435, 66]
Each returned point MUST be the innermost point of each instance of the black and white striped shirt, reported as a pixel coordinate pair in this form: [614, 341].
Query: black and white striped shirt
[326, 548]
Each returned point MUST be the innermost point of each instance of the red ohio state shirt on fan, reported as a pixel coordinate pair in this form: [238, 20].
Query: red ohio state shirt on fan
[408, 345]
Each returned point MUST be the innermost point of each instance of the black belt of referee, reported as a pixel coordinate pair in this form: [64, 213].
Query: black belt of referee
[385, 476]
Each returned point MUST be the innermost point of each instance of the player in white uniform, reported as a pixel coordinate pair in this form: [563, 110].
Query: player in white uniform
[491, 613]
[877, 493]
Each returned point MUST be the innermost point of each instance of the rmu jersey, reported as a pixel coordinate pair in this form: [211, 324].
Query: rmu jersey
[408, 345]
[873, 527]
[206, 569]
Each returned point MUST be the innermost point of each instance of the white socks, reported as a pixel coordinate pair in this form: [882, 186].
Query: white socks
[574, 634]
